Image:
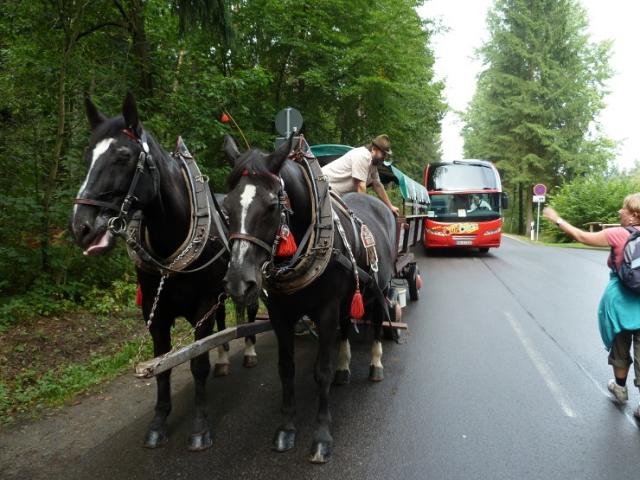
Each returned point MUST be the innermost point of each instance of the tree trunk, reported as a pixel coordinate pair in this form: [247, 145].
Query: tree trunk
[521, 227]
[50, 181]
[140, 46]
[178, 65]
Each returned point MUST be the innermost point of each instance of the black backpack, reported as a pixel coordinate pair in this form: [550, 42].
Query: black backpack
[629, 271]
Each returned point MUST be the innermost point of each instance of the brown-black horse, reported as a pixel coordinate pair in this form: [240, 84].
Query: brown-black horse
[128, 171]
[255, 209]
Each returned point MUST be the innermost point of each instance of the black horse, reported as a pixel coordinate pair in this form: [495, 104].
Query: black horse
[257, 182]
[128, 170]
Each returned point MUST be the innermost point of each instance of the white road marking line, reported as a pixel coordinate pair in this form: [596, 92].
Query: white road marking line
[545, 371]
[511, 237]
[604, 391]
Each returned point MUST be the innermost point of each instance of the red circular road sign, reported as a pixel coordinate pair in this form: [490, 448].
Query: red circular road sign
[539, 189]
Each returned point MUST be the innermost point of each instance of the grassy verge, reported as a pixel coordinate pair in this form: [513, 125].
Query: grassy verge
[47, 361]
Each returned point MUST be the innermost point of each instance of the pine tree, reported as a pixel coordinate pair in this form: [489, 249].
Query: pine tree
[538, 97]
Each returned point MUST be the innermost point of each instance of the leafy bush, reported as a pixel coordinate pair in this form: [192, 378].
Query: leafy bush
[596, 198]
[47, 299]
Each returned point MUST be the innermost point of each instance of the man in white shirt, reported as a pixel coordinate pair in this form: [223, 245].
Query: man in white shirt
[358, 168]
[476, 203]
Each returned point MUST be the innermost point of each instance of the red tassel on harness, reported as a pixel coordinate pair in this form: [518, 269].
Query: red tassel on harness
[357, 306]
[287, 245]
[139, 296]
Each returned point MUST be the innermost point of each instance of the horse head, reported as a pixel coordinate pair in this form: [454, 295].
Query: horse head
[117, 149]
[255, 206]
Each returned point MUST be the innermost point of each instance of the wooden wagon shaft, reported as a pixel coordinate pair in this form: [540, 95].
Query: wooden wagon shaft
[385, 324]
[163, 363]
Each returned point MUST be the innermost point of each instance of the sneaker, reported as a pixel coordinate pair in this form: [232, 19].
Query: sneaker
[621, 393]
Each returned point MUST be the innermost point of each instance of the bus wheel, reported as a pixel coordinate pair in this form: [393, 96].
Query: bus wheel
[484, 249]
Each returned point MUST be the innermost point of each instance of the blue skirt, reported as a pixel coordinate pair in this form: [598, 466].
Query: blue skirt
[619, 310]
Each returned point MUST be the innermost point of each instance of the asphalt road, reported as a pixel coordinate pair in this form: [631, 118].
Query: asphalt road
[503, 376]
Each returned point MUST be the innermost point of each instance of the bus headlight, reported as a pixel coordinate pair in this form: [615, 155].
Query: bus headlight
[493, 232]
[439, 233]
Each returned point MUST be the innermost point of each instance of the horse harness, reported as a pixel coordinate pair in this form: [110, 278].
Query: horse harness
[288, 275]
[204, 211]
[316, 248]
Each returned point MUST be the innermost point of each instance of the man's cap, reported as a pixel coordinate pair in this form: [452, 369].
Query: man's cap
[383, 143]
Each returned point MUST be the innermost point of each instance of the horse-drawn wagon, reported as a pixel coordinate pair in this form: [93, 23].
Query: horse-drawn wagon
[409, 227]
[189, 254]
[405, 284]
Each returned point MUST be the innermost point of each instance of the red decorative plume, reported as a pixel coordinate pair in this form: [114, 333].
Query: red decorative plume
[357, 305]
[139, 296]
[287, 245]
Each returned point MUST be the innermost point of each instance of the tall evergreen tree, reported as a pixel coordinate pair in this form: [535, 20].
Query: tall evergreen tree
[536, 102]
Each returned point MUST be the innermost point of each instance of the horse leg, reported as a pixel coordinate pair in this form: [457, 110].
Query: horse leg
[157, 433]
[322, 444]
[250, 355]
[376, 370]
[285, 436]
[221, 368]
[200, 438]
[343, 372]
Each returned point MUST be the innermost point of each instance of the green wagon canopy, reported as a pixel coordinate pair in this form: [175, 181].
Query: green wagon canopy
[411, 190]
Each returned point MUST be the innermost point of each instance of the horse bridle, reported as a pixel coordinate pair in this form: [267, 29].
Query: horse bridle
[284, 212]
[118, 224]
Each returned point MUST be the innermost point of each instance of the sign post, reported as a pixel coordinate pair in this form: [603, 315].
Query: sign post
[288, 121]
[539, 193]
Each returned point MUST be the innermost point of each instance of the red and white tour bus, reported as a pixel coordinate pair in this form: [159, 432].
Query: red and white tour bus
[466, 205]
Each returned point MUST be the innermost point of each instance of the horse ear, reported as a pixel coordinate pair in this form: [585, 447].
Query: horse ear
[277, 158]
[93, 114]
[231, 149]
[130, 114]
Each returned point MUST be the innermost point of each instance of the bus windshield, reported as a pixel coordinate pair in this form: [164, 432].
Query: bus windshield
[464, 206]
[461, 176]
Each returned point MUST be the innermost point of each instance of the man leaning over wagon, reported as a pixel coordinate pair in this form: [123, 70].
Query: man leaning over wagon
[358, 168]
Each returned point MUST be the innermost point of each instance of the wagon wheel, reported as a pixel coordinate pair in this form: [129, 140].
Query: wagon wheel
[395, 314]
[412, 279]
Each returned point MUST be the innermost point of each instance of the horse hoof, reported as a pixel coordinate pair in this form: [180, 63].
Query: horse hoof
[342, 377]
[320, 452]
[284, 440]
[200, 441]
[155, 438]
[221, 370]
[250, 361]
[376, 374]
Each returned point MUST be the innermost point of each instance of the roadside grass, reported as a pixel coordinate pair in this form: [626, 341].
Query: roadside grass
[547, 243]
[48, 361]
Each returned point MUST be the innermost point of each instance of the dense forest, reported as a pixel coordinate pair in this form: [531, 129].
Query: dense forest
[354, 68]
[537, 100]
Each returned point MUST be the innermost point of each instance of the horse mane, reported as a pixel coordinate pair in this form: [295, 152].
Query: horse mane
[254, 162]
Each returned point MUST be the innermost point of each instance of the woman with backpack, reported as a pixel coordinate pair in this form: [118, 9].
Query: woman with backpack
[619, 309]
